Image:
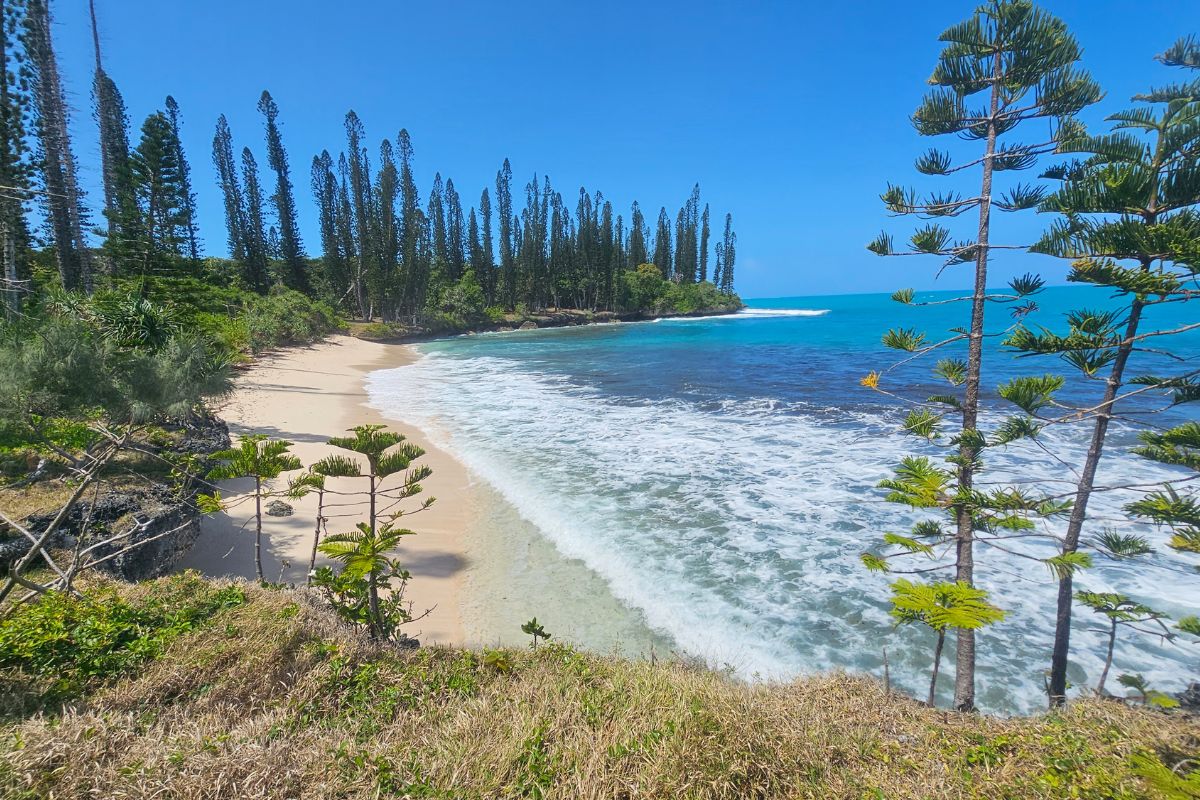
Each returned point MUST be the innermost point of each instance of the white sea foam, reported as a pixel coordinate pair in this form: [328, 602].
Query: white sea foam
[737, 532]
[782, 312]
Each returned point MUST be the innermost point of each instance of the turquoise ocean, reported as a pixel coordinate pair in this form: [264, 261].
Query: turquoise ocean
[705, 486]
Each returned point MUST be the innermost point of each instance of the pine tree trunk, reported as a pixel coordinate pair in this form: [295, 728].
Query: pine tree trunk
[1108, 657]
[258, 570]
[937, 663]
[964, 656]
[372, 501]
[1083, 493]
[12, 293]
[1062, 621]
[312, 559]
[376, 628]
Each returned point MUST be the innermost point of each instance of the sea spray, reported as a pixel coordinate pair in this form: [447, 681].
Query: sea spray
[720, 479]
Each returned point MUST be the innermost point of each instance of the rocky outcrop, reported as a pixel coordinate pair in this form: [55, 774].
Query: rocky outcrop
[157, 516]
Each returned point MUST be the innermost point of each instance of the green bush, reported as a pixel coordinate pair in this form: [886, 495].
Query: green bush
[459, 305]
[286, 317]
[72, 643]
[644, 289]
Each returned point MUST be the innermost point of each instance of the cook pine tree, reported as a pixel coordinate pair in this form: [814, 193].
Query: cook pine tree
[1009, 63]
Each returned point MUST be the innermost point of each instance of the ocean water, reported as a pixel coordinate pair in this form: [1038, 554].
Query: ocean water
[705, 486]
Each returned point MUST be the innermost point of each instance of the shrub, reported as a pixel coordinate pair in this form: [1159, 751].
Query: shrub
[72, 643]
[286, 317]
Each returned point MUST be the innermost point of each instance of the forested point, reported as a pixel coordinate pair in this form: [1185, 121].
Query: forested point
[386, 253]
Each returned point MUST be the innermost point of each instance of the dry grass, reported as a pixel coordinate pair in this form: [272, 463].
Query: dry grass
[273, 699]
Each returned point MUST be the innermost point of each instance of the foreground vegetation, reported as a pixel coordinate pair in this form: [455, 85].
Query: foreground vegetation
[185, 688]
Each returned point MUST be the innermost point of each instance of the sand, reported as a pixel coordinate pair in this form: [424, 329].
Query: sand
[306, 395]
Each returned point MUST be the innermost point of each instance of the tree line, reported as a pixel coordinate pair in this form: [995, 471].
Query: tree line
[385, 252]
[1125, 203]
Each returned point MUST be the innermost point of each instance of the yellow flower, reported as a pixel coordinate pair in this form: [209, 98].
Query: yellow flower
[871, 381]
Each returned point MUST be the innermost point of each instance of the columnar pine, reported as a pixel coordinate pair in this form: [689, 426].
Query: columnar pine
[16, 168]
[256, 269]
[61, 195]
[727, 256]
[360, 201]
[487, 273]
[157, 185]
[704, 235]
[231, 193]
[662, 244]
[455, 235]
[637, 253]
[1129, 204]
[187, 218]
[410, 223]
[120, 207]
[293, 270]
[325, 193]
[508, 282]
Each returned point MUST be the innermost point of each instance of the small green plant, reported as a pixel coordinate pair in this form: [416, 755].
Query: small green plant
[941, 606]
[255, 457]
[369, 589]
[1148, 696]
[73, 643]
[1120, 610]
[499, 660]
[535, 630]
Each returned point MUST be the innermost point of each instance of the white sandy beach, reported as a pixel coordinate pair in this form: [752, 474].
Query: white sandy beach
[306, 395]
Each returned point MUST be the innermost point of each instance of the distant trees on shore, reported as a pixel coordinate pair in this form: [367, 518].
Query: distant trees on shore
[384, 251]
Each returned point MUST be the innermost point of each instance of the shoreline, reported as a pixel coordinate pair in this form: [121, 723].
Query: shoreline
[306, 395]
[399, 333]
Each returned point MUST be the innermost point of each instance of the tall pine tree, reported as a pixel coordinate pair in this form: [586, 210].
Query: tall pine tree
[1022, 61]
[61, 195]
[256, 269]
[187, 217]
[294, 269]
[231, 192]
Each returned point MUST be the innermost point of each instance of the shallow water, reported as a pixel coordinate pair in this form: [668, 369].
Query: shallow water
[707, 485]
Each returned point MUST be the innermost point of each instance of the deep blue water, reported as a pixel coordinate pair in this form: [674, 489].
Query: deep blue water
[719, 475]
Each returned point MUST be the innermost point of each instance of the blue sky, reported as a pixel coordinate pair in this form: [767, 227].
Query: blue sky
[791, 115]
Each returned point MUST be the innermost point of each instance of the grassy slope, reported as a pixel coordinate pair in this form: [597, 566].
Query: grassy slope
[271, 698]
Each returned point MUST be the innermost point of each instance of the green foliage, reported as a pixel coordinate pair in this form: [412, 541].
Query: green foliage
[922, 422]
[645, 290]
[918, 483]
[1147, 695]
[255, 456]
[75, 365]
[942, 606]
[369, 589]
[1066, 564]
[906, 339]
[72, 643]
[1031, 393]
[284, 318]
[463, 303]
[534, 630]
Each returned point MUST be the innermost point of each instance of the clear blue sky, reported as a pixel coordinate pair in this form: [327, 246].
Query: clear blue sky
[792, 115]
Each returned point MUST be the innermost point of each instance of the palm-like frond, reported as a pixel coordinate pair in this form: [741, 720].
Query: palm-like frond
[338, 467]
[943, 606]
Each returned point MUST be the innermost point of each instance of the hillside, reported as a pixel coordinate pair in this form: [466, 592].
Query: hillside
[183, 688]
